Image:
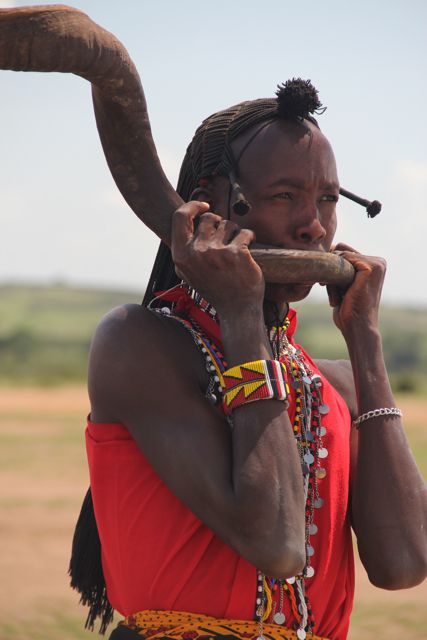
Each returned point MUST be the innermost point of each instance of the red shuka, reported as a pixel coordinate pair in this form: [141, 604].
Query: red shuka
[157, 554]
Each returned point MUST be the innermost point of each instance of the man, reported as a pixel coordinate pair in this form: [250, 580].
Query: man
[219, 452]
[236, 509]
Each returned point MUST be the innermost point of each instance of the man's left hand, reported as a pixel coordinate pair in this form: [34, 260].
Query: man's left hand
[357, 307]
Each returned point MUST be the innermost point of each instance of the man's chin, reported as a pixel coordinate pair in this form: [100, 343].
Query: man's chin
[289, 292]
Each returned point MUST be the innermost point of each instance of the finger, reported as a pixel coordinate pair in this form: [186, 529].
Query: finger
[359, 261]
[230, 233]
[334, 295]
[183, 221]
[207, 227]
[244, 237]
[226, 232]
[342, 246]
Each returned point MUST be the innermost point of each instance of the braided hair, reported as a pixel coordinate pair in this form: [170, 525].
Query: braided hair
[209, 154]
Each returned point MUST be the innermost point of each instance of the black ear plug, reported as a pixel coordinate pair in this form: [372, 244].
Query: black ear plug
[239, 203]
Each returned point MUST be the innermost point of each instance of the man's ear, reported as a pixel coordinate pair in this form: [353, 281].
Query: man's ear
[215, 191]
[202, 194]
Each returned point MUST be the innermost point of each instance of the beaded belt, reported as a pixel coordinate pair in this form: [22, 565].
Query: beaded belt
[156, 625]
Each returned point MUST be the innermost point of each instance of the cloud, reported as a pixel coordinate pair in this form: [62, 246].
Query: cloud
[6, 4]
[413, 174]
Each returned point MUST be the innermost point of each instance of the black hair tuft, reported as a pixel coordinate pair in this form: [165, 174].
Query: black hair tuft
[297, 98]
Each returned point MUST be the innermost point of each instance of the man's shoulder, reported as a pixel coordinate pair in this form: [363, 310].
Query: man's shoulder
[136, 334]
[340, 374]
[124, 323]
[134, 351]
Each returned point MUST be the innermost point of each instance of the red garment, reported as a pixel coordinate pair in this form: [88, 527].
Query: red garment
[157, 555]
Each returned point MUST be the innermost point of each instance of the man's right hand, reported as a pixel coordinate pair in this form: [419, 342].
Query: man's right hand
[213, 257]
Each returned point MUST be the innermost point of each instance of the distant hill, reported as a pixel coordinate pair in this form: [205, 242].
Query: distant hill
[45, 331]
[45, 334]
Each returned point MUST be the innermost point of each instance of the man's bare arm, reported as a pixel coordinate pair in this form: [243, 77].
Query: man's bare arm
[388, 494]
[146, 373]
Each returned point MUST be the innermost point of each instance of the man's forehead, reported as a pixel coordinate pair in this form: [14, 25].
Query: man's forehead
[269, 133]
[288, 150]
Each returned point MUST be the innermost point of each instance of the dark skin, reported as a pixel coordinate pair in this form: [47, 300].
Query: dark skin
[238, 483]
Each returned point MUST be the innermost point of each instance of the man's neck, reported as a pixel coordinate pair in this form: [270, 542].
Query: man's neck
[275, 313]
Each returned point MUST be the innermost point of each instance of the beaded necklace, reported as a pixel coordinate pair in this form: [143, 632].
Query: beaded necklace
[308, 432]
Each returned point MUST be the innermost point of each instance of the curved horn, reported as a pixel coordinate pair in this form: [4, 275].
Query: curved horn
[304, 267]
[60, 38]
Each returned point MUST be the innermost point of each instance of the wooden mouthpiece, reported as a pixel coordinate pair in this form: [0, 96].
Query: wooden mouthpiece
[303, 267]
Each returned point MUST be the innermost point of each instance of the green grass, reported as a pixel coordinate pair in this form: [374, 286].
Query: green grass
[45, 331]
[57, 311]
[45, 334]
[53, 625]
[378, 621]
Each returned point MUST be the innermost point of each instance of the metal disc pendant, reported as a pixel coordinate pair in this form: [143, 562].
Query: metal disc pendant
[322, 452]
[279, 617]
[312, 529]
[323, 409]
[318, 503]
[320, 473]
[310, 551]
[309, 458]
[301, 634]
[290, 580]
[321, 431]
[306, 379]
[309, 436]
[309, 572]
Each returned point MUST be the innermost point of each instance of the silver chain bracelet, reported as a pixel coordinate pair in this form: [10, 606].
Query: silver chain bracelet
[375, 413]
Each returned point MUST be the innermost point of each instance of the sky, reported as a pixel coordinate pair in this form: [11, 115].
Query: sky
[61, 215]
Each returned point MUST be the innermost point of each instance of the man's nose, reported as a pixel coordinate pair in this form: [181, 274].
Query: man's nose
[311, 230]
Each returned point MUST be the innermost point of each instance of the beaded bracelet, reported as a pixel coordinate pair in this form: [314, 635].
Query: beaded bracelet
[375, 413]
[256, 380]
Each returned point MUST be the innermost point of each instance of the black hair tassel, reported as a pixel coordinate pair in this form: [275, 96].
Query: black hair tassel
[85, 569]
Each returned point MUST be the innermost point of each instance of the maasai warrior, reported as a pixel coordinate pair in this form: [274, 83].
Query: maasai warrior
[227, 467]
[225, 474]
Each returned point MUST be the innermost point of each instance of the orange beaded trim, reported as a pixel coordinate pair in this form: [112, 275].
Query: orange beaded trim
[180, 625]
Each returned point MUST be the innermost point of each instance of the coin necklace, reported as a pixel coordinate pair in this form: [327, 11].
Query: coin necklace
[308, 432]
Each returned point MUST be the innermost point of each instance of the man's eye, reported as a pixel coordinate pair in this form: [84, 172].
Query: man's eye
[284, 195]
[329, 197]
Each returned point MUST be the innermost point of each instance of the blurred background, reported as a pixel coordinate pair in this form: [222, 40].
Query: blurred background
[72, 249]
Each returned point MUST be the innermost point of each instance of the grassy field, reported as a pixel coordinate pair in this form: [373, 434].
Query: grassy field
[43, 478]
[45, 333]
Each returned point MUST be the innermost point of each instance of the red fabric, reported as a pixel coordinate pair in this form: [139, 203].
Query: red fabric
[158, 555]
[184, 304]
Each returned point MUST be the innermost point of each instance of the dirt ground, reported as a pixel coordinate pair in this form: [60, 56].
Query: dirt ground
[43, 478]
